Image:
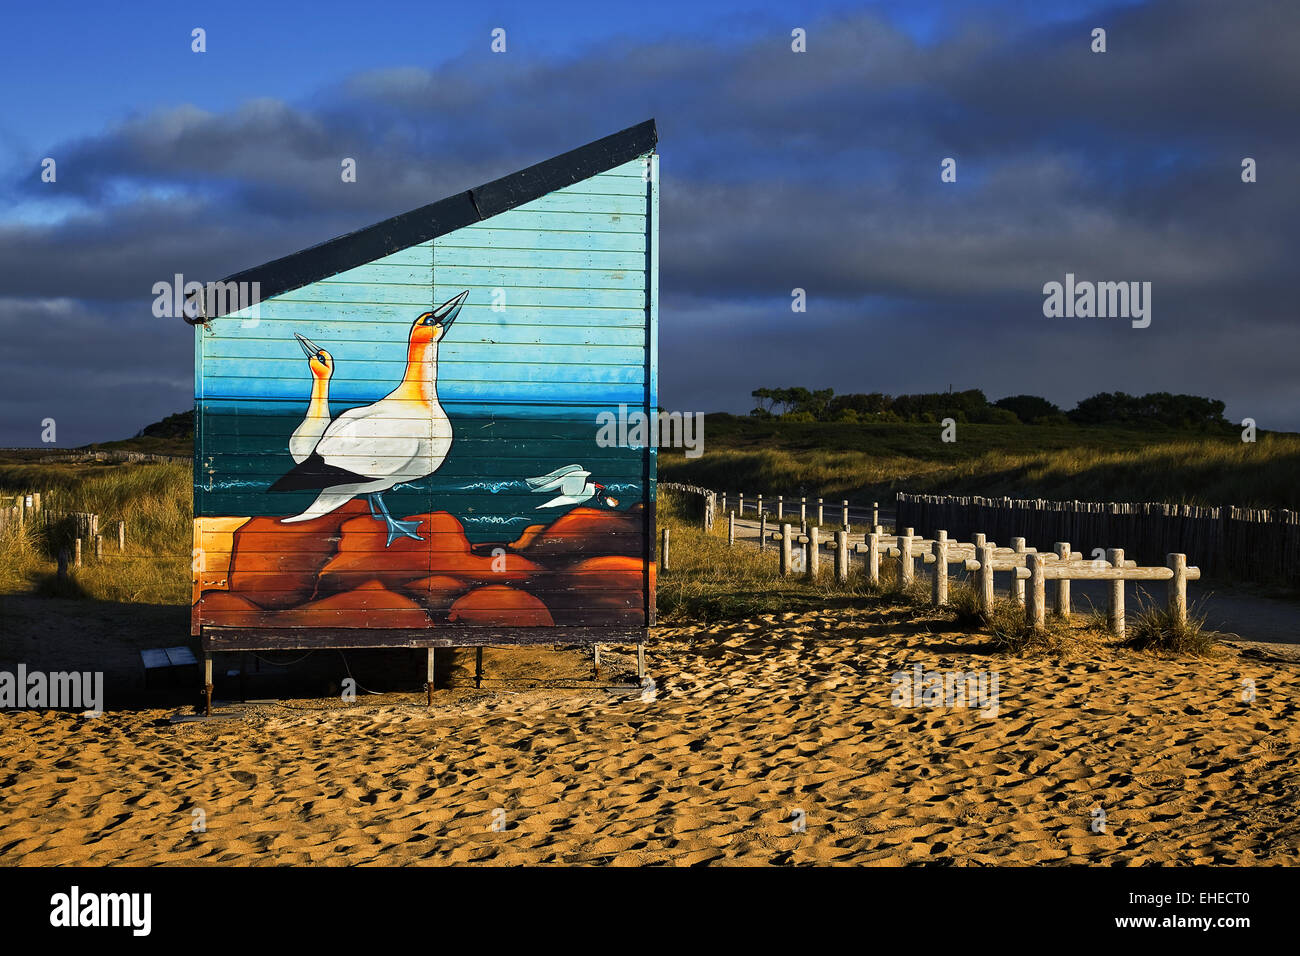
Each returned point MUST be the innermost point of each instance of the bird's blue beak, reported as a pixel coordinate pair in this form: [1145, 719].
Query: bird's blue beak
[446, 313]
[308, 346]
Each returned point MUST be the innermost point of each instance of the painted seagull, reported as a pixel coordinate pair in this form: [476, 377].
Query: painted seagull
[571, 481]
[305, 436]
[403, 437]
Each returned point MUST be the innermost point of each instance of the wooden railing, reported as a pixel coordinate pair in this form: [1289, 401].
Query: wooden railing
[818, 507]
[1249, 544]
[1030, 571]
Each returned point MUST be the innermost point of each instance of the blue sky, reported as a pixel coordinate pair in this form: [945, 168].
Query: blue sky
[818, 171]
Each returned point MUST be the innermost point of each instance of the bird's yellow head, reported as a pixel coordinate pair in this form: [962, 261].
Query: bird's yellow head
[319, 361]
[433, 326]
[322, 364]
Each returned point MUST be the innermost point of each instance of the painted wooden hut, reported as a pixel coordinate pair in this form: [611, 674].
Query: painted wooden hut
[398, 443]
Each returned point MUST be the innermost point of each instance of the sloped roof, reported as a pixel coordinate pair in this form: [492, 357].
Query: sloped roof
[446, 215]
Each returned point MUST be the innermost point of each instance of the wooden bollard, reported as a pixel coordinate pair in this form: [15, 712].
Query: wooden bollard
[785, 549]
[1062, 549]
[99, 547]
[762, 532]
[1178, 587]
[724, 501]
[873, 558]
[731, 529]
[820, 520]
[875, 514]
[76, 561]
[906, 570]
[812, 555]
[940, 594]
[740, 506]
[841, 556]
[986, 578]
[663, 552]
[844, 508]
[1115, 617]
[803, 512]
[780, 507]
[121, 536]
[1036, 599]
[759, 505]
[1017, 582]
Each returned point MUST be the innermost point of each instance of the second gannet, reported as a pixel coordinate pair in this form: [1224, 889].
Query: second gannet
[304, 438]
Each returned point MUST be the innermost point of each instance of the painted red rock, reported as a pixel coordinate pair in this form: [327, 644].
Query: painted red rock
[500, 606]
[275, 565]
[601, 590]
[364, 553]
[369, 605]
[437, 592]
[583, 532]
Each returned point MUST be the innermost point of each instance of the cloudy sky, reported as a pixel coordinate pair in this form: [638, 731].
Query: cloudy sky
[780, 170]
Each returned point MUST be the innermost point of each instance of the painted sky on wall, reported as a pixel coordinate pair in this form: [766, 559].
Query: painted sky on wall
[780, 170]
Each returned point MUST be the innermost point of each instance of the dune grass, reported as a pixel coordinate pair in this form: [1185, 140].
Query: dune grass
[1156, 629]
[153, 499]
[872, 462]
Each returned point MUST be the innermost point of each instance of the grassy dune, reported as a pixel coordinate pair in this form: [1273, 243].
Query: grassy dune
[153, 499]
[859, 462]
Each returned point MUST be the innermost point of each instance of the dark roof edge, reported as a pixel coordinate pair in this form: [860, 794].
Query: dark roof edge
[446, 215]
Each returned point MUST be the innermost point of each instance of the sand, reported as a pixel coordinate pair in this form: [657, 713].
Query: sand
[772, 741]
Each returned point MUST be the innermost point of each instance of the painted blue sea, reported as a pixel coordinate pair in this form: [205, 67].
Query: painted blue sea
[483, 481]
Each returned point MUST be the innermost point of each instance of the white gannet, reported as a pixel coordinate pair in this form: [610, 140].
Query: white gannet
[571, 481]
[403, 437]
[304, 438]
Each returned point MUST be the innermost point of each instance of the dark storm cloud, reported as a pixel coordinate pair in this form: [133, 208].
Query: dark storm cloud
[818, 171]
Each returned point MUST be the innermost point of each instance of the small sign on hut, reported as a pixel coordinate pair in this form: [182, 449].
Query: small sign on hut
[399, 444]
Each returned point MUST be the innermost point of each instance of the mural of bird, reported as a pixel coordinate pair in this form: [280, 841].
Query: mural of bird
[403, 437]
[573, 486]
[305, 436]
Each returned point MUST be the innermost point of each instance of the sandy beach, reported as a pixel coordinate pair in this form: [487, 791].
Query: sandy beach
[773, 741]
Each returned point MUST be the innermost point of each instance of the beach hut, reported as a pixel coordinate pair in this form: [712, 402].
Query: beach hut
[399, 439]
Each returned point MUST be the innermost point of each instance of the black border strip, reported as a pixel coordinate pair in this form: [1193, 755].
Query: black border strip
[447, 215]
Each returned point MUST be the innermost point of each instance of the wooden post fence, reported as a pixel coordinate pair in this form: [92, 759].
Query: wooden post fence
[1062, 549]
[940, 595]
[841, 556]
[1115, 617]
[1036, 603]
[1017, 582]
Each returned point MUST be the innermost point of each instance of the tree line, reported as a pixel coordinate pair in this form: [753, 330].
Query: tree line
[972, 406]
